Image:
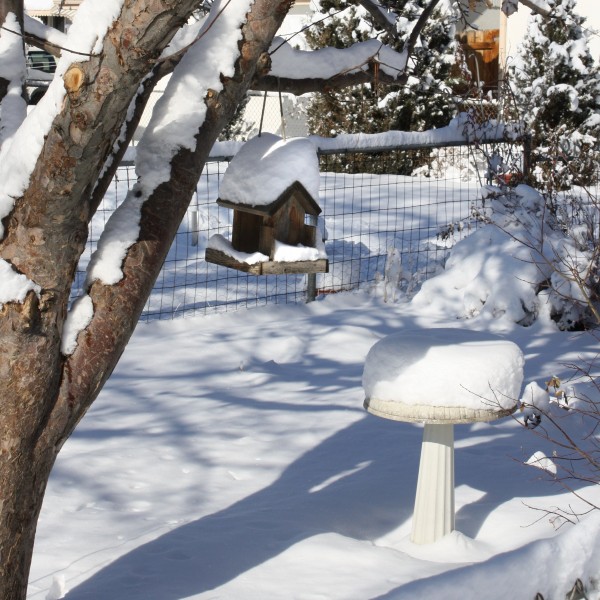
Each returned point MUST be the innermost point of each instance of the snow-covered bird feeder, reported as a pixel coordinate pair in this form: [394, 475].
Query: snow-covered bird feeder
[441, 377]
[272, 186]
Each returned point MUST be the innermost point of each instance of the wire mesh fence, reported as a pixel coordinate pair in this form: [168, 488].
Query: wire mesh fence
[381, 228]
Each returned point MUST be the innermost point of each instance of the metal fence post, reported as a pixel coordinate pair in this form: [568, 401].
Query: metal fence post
[194, 227]
[526, 156]
[311, 287]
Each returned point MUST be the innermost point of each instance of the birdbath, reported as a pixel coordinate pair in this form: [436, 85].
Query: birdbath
[441, 377]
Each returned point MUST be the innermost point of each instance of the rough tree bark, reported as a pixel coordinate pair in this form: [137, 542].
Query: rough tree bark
[44, 394]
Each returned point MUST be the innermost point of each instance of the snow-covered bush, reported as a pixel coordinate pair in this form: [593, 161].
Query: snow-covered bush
[565, 418]
[521, 265]
[453, 163]
[556, 87]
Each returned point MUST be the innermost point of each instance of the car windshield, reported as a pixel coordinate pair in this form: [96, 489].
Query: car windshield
[42, 61]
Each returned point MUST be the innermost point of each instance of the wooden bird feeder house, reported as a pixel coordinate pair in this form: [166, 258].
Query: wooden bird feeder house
[274, 213]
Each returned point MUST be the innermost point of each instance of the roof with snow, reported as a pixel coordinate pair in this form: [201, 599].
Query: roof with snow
[296, 189]
[267, 167]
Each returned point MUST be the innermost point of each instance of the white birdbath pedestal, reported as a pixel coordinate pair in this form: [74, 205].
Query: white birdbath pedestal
[441, 377]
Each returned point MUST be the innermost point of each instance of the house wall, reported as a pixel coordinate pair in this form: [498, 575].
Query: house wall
[512, 30]
[55, 13]
[292, 123]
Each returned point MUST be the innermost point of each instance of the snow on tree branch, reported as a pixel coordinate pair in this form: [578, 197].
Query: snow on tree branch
[384, 18]
[50, 39]
[12, 72]
[18, 156]
[327, 63]
[185, 37]
[78, 319]
[90, 24]
[537, 6]
[176, 119]
[15, 286]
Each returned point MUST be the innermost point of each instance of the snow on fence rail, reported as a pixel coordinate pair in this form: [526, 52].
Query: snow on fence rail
[383, 228]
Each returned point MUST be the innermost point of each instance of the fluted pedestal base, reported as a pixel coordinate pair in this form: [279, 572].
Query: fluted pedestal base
[434, 504]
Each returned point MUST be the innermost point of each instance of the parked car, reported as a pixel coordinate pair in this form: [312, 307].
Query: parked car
[41, 66]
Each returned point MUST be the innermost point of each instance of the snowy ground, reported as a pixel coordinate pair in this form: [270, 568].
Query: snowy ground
[230, 457]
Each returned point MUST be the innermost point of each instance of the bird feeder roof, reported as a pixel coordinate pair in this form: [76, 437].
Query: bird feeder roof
[443, 376]
[296, 189]
[266, 168]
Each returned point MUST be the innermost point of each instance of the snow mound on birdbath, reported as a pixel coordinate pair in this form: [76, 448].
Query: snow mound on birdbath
[266, 166]
[443, 376]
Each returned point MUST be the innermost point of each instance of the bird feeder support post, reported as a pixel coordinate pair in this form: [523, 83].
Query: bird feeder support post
[434, 502]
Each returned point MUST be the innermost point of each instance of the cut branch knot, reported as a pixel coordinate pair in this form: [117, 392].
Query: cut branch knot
[74, 79]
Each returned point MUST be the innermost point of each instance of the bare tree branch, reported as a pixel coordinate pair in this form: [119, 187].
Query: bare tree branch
[376, 12]
[422, 20]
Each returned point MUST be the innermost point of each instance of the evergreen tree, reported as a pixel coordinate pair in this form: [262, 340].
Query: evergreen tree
[425, 102]
[557, 88]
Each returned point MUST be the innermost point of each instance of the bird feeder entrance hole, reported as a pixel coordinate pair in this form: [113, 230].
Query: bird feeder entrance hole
[441, 377]
[271, 186]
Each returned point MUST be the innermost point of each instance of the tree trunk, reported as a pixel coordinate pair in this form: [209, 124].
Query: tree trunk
[44, 237]
[23, 486]
[45, 394]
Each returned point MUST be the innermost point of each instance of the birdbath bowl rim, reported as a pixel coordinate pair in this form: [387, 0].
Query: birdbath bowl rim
[443, 376]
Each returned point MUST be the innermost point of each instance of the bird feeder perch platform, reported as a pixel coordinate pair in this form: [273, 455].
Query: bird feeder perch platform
[269, 267]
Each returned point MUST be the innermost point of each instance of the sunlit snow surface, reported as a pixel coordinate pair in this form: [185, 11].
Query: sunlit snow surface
[230, 457]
